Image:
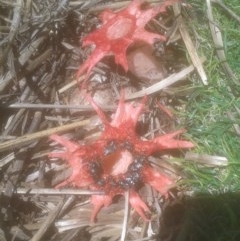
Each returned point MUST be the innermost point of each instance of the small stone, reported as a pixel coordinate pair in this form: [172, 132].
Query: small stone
[145, 66]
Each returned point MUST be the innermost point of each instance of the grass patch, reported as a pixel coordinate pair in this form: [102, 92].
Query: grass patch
[231, 33]
[208, 107]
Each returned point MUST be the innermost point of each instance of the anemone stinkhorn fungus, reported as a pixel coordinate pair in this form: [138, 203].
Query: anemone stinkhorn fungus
[118, 31]
[117, 160]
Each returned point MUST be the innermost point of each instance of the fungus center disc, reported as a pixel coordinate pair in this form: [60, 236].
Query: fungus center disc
[119, 29]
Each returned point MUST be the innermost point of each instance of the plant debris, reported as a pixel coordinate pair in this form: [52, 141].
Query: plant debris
[42, 45]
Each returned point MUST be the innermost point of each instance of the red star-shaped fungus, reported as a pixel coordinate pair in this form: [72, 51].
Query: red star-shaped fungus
[118, 160]
[118, 31]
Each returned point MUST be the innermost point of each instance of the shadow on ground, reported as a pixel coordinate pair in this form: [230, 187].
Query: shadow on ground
[202, 218]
